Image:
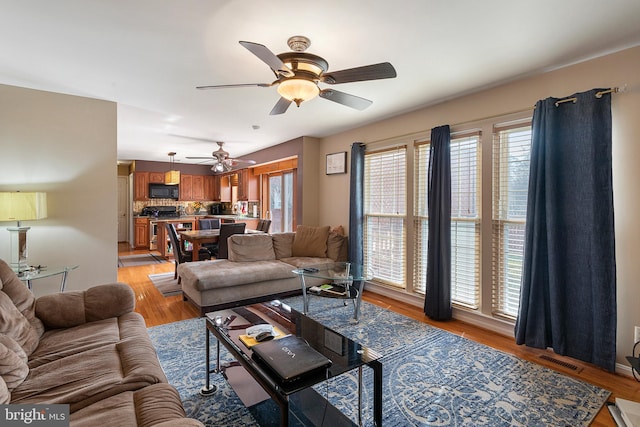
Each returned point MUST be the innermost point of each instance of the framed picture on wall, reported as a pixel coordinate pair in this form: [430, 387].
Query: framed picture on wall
[336, 163]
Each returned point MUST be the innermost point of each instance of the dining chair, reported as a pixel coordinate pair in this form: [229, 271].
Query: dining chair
[179, 254]
[226, 230]
[208, 223]
[264, 225]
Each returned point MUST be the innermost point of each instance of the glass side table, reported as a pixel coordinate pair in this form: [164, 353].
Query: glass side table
[40, 273]
[332, 280]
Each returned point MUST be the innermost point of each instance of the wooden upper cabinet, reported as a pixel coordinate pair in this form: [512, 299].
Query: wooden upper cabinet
[186, 187]
[211, 187]
[156, 177]
[225, 188]
[197, 188]
[247, 185]
[141, 186]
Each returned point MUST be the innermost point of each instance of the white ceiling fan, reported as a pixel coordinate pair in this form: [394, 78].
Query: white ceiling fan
[221, 160]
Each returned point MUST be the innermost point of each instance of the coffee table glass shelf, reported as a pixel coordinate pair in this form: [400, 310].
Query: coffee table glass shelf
[341, 280]
[277, 402]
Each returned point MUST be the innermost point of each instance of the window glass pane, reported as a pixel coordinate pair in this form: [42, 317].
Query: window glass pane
[420, 217]
[465, 221]
[384, 210]
[511, 153]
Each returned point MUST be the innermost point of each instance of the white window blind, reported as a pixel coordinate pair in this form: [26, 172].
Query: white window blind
[511, 154]
[385, 215]
[465, 220]
[420, 216]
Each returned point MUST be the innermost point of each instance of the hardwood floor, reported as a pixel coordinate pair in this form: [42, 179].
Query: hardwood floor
[158, 310]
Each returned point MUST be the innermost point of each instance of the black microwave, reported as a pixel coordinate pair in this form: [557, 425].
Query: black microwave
[162, 191]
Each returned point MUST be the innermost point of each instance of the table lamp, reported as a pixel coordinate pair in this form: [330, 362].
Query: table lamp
[19, 206]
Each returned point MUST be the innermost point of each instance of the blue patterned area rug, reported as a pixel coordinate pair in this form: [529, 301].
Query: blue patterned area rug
[431, 377]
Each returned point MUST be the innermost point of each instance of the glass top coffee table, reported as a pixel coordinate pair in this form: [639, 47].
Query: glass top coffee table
[298, 402]
[341, 280]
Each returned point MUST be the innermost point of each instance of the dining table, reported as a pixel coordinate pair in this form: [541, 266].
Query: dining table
[198, 237]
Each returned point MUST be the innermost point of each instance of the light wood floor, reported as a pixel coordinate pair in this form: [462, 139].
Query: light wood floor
[158, 310]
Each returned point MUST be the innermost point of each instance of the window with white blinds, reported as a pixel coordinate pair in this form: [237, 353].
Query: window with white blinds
[511, 155]
[385, 215]
[465, 220]
[420, 216]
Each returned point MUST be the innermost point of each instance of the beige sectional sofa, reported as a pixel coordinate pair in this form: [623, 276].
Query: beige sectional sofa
[87, 349]
[259, 267]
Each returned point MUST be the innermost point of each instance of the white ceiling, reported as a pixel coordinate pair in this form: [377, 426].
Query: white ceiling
[148, 56]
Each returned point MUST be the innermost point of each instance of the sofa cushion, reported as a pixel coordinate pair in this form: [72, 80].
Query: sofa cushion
[85, 373]
[150, 406]
[13, 369]
[58, 343]
[251, 247]
[223, 273]
[282, 244]
[65, 310]
[11, 344]
[310, 241]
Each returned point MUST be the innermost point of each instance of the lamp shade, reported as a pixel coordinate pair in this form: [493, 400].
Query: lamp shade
[19, 206]
[172, 177]
[298, 90]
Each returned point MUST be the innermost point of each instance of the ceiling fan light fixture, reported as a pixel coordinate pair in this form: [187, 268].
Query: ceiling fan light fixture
[298, 90]
[172, 177]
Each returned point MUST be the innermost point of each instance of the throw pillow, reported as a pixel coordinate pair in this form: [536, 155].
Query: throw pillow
[337, 246]
[310, 241]
[282, 244]
[248, 248]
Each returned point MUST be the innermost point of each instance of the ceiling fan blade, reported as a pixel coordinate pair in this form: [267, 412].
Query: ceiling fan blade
[248, 162]
[268, 58]
[345, 99]
[201, 158]
[280, 107]
[384, 70]
[236, 85]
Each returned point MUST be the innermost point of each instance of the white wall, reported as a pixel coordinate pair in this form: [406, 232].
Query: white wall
[66, 146]
[613, 70]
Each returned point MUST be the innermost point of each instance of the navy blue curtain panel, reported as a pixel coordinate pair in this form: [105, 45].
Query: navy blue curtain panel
[437, 301]
[568, 294]
[356, 208]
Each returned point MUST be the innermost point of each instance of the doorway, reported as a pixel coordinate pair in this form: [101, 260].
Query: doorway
[281, 201]
[123, 209]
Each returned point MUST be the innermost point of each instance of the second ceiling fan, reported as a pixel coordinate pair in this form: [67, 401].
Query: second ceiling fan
[298, 74]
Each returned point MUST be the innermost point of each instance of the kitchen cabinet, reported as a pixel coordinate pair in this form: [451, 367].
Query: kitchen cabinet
[140, 186]
[193, 188]
[225, 188]
[197, 188]
[247, 185]
[141, 233]
[156, 177]
[186, 187]
[211, 187]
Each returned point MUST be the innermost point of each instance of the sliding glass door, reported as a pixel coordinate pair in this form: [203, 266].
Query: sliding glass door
[281, 201]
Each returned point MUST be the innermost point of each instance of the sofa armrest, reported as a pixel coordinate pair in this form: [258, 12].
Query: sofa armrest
[65, 310]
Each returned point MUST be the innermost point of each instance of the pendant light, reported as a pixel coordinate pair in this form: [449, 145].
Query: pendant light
[172, 177]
